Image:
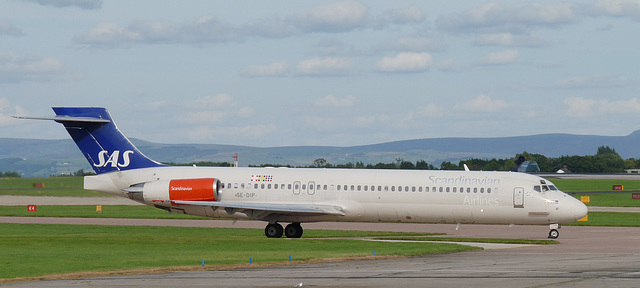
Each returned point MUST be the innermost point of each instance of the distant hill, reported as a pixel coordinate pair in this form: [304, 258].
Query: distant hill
[52, 157]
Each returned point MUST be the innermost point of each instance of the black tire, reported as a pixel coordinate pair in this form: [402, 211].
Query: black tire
[273, 230]
[553, 234]
[293, 230]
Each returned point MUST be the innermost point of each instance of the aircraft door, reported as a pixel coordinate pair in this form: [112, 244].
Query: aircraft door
[518, 197]
[296, 188]
[311, 190]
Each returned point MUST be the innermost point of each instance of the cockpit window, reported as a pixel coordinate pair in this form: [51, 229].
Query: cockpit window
[545, 188]
[552, 187]
[537, 188]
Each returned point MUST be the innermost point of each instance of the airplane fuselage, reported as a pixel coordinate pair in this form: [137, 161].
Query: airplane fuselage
[429, 196]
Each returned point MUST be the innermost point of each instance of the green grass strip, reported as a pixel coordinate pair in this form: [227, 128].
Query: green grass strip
[30, 250]
[615, 219]
[83, 211]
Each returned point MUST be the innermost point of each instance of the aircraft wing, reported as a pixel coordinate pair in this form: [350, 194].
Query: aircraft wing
[262, 210]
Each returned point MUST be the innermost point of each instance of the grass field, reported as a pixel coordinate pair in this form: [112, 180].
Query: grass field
[53, 186]
[111, 211]
[28, 250]
[581, 185]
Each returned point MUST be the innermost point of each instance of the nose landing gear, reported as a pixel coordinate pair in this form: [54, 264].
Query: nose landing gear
[553, 233]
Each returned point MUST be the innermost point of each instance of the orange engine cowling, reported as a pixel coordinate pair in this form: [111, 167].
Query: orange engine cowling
[202, 189]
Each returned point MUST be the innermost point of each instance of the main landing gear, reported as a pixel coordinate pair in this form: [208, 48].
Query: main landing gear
[293, 230]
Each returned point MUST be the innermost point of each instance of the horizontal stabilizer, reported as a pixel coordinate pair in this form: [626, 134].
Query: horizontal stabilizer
[62, 119]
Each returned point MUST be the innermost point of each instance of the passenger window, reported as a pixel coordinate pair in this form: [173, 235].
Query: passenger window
[338, 187]
[454, 190]
[447, 189]
[332, 187]
[488, 190]
[325, 187]
[366, 188]
[289, 186]
[426, 189]
[441, 190]
[406, 188]
[255, 186]
[353, 187]
[304, 186]
[481, 190]
[468, 190]
[420, 189]
[262, 186]
[475, 190]
[268, 186]
[379, 188]
[413, 188]
[393, 188]
[249, 186]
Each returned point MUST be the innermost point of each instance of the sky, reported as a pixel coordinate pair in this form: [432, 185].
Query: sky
[331, 73]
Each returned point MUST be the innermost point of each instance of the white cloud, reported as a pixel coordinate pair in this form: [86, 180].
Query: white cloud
[591, 81]
[16, 69]
[220, 101]
[269, 70]
[617, 8]
[515, 18]
[84, 4]
[6, 28]
[581, 107]
[324, 67]
[246, 112]
[333, 101]
[6, 111]
[500, 58]
[509, 40]
[202, 30]
[483, 103]
[431, 111]
[335, 17]
[340, 17]
[413, 44]
[411, 14]
[405, 62]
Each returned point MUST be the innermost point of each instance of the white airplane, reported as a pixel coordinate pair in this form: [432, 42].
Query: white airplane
[296, 196]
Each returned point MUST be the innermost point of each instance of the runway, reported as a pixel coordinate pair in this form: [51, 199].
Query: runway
[586, 257]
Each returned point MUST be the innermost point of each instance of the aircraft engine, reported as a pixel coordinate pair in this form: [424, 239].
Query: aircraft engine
[165, 191]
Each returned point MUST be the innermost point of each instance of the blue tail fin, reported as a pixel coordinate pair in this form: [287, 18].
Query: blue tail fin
[99, 139]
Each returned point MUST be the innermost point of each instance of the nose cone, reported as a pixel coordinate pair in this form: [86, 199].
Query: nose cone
[574, 209]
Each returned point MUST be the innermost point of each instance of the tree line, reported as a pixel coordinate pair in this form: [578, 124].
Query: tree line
[606, 160]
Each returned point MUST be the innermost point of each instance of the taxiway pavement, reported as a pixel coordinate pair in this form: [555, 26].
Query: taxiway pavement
[585, 257]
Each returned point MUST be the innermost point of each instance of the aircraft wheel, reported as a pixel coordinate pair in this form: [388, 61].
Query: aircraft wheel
[273, 230]
[553, 234]
[293, 230]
